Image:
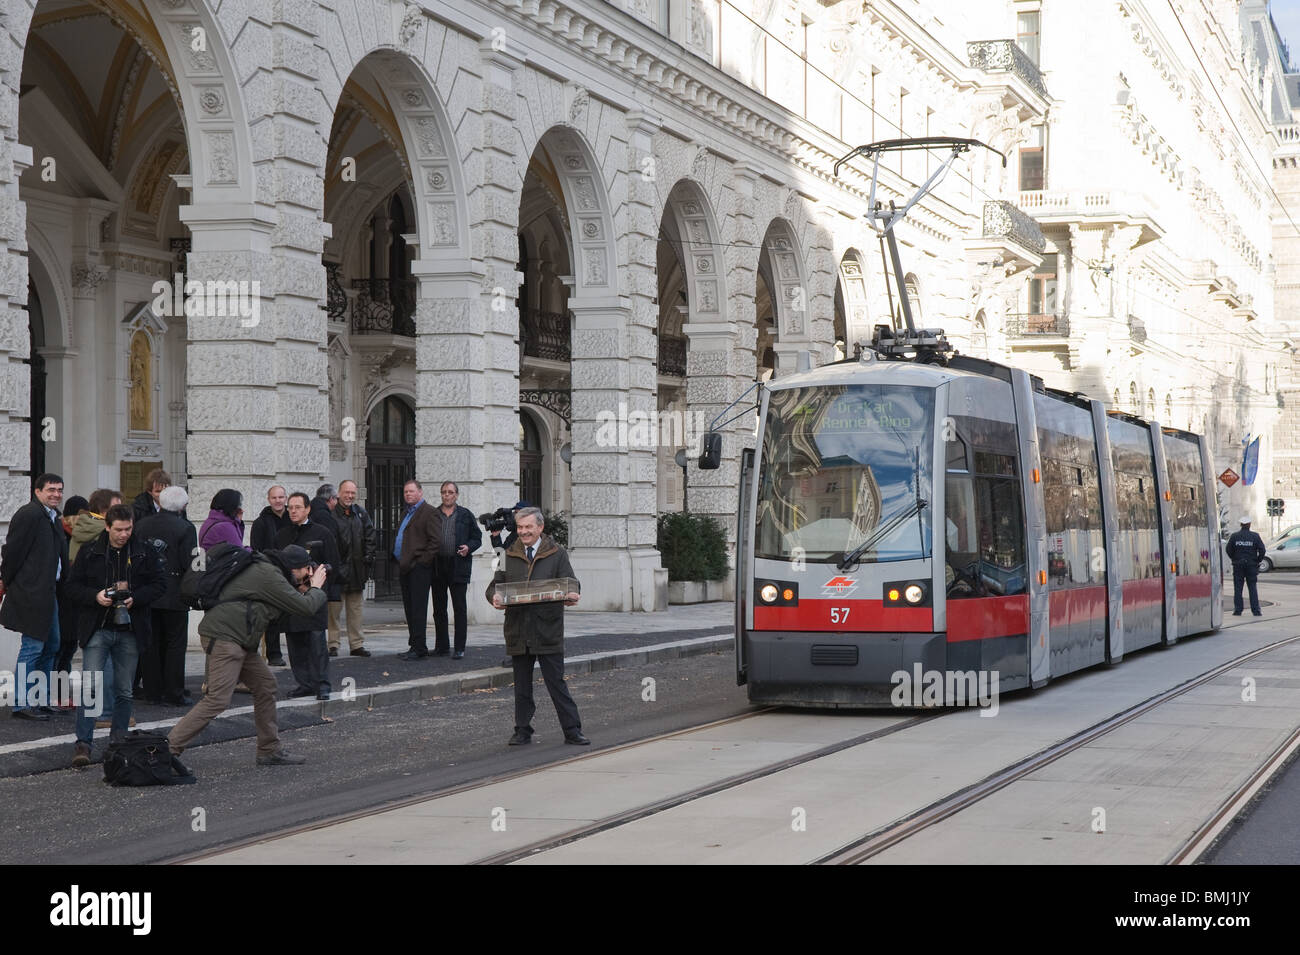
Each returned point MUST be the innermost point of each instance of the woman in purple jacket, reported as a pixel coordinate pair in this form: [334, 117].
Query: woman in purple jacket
[225, 523]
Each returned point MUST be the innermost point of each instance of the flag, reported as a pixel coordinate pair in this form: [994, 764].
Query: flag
[1250, 463]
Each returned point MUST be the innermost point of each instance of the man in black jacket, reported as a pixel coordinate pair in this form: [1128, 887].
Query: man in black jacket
[358, 545]
[176, 541]
[114, 582]
[33, 567]
[1245, 550]
[146, 502]
[273, 519]
[457, 537]
[308, 655]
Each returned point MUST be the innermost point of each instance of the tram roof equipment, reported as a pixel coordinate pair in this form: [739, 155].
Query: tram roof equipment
[924, 344]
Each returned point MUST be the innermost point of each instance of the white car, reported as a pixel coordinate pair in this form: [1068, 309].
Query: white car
[1282, 552]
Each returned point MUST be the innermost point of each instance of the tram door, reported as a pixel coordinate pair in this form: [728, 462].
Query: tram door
[390, 463]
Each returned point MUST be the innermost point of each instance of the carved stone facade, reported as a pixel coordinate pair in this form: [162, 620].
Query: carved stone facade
[245, 163]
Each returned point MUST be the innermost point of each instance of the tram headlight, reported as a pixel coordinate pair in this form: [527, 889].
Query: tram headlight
[768, 593]
[907, 593]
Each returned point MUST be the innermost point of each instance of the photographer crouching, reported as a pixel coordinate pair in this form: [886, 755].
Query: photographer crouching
[113, 582]
[275, 582]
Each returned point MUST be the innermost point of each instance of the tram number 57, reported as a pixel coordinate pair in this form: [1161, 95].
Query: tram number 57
[840, 614]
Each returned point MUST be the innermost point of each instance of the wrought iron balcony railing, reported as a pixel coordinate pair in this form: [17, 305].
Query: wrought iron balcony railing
[384, 305]
[1004, 56]
[336, 300]
[546, 335]
[1031, 325]
[672, 356]
[1003, 219]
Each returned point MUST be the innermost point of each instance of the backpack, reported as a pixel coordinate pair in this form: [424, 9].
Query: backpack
[201, 589]
[145, 759]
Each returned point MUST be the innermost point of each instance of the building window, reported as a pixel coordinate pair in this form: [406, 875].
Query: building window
[1027, 34]
[1032, 166]
[1042, 295]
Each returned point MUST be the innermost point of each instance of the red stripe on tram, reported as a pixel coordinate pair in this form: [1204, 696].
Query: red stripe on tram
[980, 618]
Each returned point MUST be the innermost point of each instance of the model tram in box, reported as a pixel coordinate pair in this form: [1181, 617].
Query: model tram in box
[551, 590]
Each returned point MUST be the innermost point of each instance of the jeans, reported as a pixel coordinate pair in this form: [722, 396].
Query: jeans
[37, 656]
[120, 647]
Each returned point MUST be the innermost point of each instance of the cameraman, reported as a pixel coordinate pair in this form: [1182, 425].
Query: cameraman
[504, 521]
[305, 633]
[114, 580]
[277, 581]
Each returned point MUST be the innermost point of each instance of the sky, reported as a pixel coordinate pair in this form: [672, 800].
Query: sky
[1286, 14]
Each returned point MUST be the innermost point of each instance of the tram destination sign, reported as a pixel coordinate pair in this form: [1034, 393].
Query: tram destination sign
[1229, 477]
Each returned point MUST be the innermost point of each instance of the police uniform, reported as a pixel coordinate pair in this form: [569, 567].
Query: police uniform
[1245, 550]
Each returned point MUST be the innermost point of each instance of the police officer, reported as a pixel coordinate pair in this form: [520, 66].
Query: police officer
[1245, 550]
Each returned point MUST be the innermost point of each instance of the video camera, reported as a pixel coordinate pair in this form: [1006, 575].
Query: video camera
[501, 519]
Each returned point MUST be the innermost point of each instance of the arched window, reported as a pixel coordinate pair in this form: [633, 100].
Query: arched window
[392, 422]
[913, 286]
[1150, 406]
[1169, 408]
[530, 460]
[1115, 401]
[1133, 398]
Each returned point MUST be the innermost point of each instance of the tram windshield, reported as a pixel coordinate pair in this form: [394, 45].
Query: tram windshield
[841, 465]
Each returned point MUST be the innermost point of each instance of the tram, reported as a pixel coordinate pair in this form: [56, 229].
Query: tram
[898, 517]
[910, 512]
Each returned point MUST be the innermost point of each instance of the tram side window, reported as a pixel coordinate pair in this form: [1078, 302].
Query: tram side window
[985, 536]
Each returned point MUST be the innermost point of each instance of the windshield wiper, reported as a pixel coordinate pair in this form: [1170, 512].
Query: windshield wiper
[851, 558]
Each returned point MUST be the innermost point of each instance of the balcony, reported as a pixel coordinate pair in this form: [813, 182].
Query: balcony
[1004, 56]
[545, 335]
[672, 356]
[383, 306]
[1037, 326]
[1099, 206]
[1002, 220]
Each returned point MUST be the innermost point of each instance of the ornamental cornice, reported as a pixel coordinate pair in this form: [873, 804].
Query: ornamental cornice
[695, 88]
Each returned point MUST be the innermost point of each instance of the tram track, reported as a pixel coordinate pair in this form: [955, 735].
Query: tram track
[857, 851]
[428, 795]
[886, 837]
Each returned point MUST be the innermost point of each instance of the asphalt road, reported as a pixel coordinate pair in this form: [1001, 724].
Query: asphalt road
[359, 761]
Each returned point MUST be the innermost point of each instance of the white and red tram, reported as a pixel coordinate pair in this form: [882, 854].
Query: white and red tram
[959, 518]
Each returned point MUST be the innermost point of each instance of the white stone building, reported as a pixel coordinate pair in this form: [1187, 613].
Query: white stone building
[476, 231]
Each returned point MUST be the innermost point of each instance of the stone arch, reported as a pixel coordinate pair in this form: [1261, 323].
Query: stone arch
[425, 144]
[689, 223]
[852, 288]
[786, 278]
[587, 210]
[217, 121]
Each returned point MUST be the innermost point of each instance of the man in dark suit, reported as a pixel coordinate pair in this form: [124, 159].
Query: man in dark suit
[414, 549]
[33, 566]
[457, 536]
[308, 653]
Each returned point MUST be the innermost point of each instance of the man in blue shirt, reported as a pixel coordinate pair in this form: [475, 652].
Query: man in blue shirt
[415, 562]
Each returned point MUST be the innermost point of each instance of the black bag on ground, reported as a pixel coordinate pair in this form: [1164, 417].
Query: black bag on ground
[144, 759]
[201, 589]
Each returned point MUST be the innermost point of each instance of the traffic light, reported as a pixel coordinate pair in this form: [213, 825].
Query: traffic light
[1276, 506]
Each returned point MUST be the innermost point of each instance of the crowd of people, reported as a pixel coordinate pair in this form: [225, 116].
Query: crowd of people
[105, 577]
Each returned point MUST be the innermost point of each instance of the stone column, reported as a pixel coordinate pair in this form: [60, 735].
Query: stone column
[82, 429]
[488, 296]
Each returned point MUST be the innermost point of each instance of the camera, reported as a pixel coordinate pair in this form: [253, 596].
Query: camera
[502, 519]
[118, 598]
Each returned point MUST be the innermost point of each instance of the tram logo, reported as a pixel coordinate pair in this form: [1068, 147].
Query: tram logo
[839, 587]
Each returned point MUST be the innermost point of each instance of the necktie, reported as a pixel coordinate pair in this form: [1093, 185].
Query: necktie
[530, 555]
